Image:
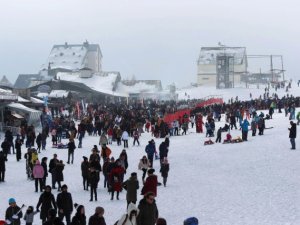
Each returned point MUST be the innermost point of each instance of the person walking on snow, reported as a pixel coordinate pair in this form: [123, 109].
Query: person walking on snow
[293, 134]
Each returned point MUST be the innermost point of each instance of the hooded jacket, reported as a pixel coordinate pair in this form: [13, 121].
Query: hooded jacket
[125, 219]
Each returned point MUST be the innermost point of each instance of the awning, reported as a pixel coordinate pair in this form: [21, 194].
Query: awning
[18, 116]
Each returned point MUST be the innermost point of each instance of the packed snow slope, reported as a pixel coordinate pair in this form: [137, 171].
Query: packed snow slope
[242, 92]
[250, 183]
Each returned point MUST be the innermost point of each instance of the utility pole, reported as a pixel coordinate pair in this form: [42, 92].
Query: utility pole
[282, 69]
[272, 72]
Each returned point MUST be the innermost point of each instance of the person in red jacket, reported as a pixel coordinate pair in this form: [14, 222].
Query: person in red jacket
[150, 184]
[110, 132]
[116, 175]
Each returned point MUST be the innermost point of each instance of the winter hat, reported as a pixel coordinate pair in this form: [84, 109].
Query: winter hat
[11, 201]
[191, 221]
[161, 221]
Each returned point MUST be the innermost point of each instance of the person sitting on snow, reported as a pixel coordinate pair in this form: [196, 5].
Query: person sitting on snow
[228, 138]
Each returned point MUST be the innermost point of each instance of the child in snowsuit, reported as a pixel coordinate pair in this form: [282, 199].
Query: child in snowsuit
[29, 215]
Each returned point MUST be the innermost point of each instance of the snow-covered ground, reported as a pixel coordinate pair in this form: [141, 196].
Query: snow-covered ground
[227, 94]
[251, 183]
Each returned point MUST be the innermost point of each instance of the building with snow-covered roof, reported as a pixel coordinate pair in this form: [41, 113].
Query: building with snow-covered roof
[208, 62]
[73, 57]
[25, 81]
[4, 82]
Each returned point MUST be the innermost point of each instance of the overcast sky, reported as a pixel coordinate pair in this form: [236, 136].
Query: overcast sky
[151, 39]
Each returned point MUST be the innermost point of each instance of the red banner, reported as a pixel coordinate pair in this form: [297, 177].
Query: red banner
[179, 114]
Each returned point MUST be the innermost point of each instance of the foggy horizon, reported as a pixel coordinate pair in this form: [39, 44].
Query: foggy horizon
[150, 40]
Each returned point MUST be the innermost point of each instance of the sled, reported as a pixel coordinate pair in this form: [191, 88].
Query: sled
[227, 142]
[60, 146]
[209, 142]
[236, 141]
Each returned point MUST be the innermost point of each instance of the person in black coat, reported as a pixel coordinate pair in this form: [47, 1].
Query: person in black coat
[93, 181]
[131, 186]
[71, 148]
[164, 169]
[59, 173]
[85, 172]
[9, 137]
[219, 134]
[79, 218]
[5, 147]
[64, 203]
[39, 142]
[52, 166]
[3, 159]
[44, 165]
[52, 219]
[97, 218]
[46, 201]
[148, 210]
[163, 151]
[13, 213]
[293, 134]
[18, 144]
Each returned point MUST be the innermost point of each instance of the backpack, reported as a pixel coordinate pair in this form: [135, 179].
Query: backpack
[123, 222]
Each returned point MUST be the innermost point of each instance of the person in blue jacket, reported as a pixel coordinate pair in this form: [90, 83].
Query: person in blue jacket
[150, 150]
[245, 129]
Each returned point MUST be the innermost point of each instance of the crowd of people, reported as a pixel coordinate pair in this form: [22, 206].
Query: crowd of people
[116, 123]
